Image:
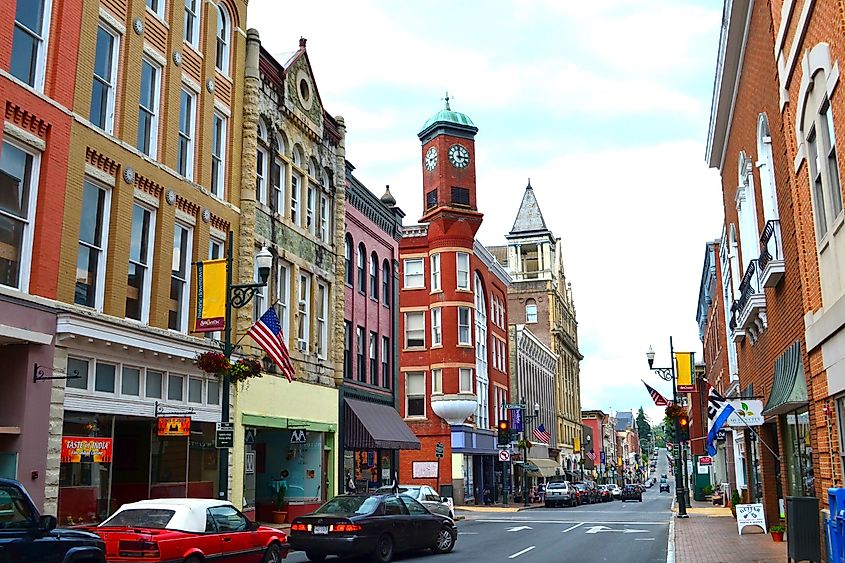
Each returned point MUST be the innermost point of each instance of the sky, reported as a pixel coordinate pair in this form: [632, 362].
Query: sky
[604, 105]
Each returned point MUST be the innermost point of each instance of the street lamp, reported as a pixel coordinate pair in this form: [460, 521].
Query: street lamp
[237, 296]
[668, 374]
[525, 447]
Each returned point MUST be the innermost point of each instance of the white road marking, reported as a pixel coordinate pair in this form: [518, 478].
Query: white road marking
[643, 539]
[519, 528]
[597, 522]
[597, 529]
[524, 551]
[569, 529]
[467, 533]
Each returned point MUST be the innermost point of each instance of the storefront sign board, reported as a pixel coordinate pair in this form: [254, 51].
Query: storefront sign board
[425, 469]
[225, 435]
[750, 515]
[298, 436]
[747, 412]
[705, 460]
[77, 450]
[174, 426]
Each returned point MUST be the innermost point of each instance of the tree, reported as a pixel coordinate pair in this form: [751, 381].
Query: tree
[644, 431]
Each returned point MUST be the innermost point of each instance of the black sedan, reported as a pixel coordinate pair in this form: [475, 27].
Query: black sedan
[378, 526]
[632, 492]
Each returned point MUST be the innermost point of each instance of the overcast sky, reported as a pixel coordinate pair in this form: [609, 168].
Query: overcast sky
[604, 105]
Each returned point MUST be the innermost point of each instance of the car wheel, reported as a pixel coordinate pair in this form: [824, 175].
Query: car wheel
[384, 549]
[273, 554]
[445, 541]
[315, 556]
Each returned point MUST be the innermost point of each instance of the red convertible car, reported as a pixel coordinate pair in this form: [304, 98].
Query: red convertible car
[190, 531]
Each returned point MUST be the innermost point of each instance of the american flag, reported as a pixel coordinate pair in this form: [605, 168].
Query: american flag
[591, 454]
[267, 333]
[658, 399]
[541, 435]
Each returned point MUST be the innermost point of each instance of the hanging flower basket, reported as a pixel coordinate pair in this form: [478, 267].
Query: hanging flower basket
[673, 411]
[213, 362]
[216, 363]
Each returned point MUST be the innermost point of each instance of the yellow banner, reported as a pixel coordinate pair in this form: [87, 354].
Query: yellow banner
[686, 380]
[211, 295]
[577, 443]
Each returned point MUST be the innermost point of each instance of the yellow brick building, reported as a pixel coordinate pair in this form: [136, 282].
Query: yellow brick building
[154, 185]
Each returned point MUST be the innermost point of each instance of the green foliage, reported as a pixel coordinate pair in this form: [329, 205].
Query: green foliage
[708, 490]
[777, 528]
[644, 431]
[735, 498]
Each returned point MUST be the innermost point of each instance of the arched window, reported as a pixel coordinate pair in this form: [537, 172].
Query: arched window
[746, 210]
[374, 276]
[297, 155]
[482, 382]
[348, 259]
[765, 164]
[530, 311]
[261, 164]
[362, 268]
[385, 282]
[224, 28]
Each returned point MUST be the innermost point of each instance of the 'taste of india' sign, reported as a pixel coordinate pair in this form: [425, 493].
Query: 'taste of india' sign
[77, 450]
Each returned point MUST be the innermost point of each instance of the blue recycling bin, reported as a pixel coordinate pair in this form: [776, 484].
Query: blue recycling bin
[835, 525]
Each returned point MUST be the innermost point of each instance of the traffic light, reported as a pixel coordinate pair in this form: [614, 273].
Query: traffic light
[683, 428]
[504, 432]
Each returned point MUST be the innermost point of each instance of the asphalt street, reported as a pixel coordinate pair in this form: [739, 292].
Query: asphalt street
[612, 531]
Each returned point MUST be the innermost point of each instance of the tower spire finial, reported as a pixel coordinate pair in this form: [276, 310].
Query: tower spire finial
[446, 99]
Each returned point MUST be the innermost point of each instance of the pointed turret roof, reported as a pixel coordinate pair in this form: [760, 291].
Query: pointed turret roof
[529, 218]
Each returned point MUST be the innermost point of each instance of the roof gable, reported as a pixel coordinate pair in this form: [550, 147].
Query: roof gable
[529, 218]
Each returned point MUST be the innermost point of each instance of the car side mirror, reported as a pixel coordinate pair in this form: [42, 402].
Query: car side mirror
[47, 522]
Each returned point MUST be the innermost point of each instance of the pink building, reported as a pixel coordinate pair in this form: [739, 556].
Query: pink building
[371, 428]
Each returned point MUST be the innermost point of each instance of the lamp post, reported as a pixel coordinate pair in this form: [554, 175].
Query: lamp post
[237, 296]
[668, 374]
[526, 417]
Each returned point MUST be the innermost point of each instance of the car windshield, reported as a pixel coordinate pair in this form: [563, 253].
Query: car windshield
[349, 505]
[580, 486]
[141, 517]
[15, 510]
[556, 486]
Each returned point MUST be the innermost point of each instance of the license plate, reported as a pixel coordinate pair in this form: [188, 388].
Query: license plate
[321, 529]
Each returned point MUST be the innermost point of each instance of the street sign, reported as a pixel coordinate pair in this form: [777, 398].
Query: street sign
[438, 449]
[514, 405]
[225, 435]
[504, 455]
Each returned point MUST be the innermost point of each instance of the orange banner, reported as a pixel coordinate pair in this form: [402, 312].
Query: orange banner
[174, 426]
[89, 450]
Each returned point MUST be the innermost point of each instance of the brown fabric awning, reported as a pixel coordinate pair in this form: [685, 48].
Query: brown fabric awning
[372, 425]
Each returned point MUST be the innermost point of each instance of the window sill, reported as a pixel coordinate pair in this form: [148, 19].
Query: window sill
[435, 291]
[415, 418]
[462, 290]
[436, 346]
[470, 346]
[413, 288]
[159, 17]
[415, 349]
[194, 48]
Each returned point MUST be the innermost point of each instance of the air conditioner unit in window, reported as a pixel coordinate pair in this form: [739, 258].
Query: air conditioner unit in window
[302, 304]
[301, 345]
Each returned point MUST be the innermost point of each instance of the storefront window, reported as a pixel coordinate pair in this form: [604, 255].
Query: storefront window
[799, 459]
[469, 485]
[84, 482]
[289, 458]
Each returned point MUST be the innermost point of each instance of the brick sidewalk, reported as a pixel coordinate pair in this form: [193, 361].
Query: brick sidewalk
[709, 535]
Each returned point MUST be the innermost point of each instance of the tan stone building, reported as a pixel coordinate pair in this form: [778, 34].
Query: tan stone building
[541, 298]
[151, 189]
[292, 202]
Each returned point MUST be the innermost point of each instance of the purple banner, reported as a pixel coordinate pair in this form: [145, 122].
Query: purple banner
[602, 457]
[516, 420]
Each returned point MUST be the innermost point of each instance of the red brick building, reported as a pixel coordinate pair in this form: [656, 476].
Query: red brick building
[453, 324]
[39, 44]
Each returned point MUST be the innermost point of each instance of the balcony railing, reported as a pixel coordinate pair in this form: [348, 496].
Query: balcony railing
[771, 261]
[748, 313]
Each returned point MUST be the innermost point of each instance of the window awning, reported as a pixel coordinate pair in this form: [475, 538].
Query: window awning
[789, 390]
[544, 467]
[373, 425]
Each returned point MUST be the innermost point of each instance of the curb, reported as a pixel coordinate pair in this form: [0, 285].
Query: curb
[670, 548]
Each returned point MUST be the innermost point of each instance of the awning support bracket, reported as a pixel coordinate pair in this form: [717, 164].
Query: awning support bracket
[39, 373]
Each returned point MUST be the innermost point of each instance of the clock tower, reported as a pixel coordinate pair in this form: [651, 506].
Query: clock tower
[448, 160]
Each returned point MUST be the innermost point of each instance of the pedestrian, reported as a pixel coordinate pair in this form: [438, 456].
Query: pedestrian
[350, 483]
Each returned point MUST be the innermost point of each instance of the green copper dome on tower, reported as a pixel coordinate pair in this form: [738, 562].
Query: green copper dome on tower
[446, 115]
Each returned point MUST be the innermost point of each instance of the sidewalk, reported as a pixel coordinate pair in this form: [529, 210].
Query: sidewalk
[710, 535]
[512, 507]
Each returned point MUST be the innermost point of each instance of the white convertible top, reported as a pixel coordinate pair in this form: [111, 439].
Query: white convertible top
[189, 514]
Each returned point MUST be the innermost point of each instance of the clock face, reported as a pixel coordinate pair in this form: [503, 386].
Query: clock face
[458, 156]
[431, 159]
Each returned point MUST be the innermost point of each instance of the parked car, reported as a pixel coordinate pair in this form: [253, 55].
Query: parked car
[664, 485]
[560, 492]
[378, 526]
[584, 495]
[26, 535]
[186, 529]
[604, 493]
[616, 491]
[425, 495]
[631, 492]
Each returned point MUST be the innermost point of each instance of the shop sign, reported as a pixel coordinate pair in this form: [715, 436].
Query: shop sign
[705, 460]
[721, 436]
[298, 436]
[78, 450]
[225, 435]
[747, 412]
[174, 426]
[424, 469]
[750, 515]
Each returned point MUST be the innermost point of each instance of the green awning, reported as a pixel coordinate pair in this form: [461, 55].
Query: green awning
[543, 467]
[789, 391]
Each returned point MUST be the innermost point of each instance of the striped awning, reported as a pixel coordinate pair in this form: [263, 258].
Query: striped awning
[372, 426]
[789, 390]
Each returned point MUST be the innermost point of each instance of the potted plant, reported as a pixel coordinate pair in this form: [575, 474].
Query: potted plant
[777, 532]
[280, 514]
[735, 500]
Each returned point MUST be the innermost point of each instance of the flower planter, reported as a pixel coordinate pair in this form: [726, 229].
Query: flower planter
[279, 516]
[777, 536]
